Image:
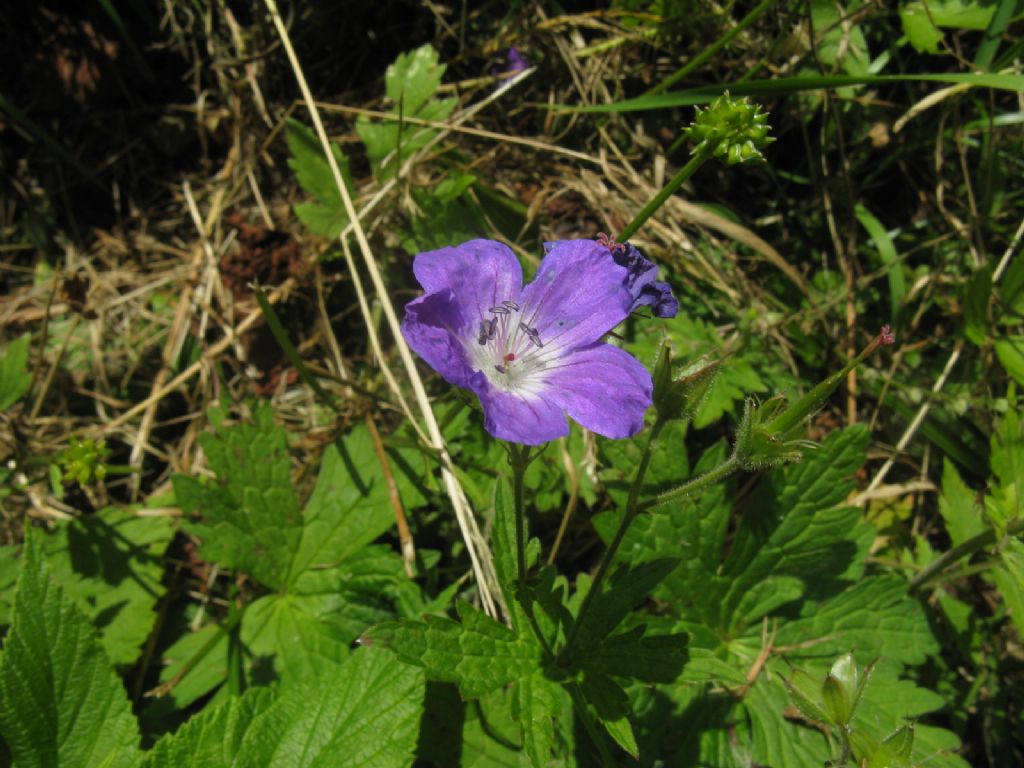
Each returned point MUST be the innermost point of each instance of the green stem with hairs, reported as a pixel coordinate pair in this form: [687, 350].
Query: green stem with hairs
[699, 158]
[710, 477]
[632, 509]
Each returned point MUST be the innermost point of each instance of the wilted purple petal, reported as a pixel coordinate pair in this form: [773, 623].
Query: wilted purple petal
[604, 388]
[642, 283]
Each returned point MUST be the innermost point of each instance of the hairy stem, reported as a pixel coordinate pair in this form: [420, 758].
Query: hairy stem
[710, 477]
[627, 519]
[695, 162]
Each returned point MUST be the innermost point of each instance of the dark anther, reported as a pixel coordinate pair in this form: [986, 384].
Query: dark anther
[492, 328]
[511, 305]
[484, 327]
[499, 368]
[499, 310]
[531, 334]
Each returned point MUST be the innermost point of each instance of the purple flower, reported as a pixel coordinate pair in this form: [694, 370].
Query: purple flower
[515, 61]
[531, 354]
[646, 291]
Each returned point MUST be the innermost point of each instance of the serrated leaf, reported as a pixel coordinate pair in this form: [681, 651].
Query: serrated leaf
[212, 738]
[349, 507]
[1009, 578]
[250, 515]
[627, 588]
[14, 376]
[325, 215]
[610, 704]
[477, 653]
[959, 506]
[112, 564]
[9, 569]
[875, 616]
[631, 655]
[60, 701]
[535, 705]
[413, 78]
[1010, 351]
[366, 713]
[293, 638]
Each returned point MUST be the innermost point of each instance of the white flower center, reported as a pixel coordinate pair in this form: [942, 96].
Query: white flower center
[509, 350]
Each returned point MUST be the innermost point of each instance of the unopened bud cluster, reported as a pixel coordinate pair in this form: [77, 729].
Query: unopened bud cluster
[85, 461]
[733, 129]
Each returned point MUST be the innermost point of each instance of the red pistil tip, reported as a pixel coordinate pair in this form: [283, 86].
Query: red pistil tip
[510, 357]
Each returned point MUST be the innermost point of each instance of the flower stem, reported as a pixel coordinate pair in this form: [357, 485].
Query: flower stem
[520, 461]
[710, 477]
[627, 519]
[695, 162]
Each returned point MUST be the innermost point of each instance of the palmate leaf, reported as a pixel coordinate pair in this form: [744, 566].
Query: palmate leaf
[250, 517]
[61, 702]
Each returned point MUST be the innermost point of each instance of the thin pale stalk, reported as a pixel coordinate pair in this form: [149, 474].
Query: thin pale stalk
[479, 553]
[969, 547]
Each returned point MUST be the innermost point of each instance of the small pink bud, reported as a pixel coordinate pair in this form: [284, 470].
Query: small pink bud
[886, 337]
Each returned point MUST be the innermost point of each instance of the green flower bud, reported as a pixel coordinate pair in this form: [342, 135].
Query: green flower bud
[770, 433]
[733, 129]
[679, 397]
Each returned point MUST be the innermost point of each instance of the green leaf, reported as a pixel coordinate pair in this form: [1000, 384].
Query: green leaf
[61, 702]
[250, 515]
[631, 655]
[1010, 580]
[478, 654]
[535, 705]
[959, 506]
[785, 85]
[112, 564]
[976, 300]
[365, 713]
[627, 588]
[292, 637]
[213, 737]
[1010, 350]
[887, 251]
[9, 569]
[325, 215]
[921, 22]
[349, 507]
[14, 376]
[875, 616]
[413, 78]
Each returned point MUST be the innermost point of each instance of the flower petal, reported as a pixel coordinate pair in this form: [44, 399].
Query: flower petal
[602, 387]
[519, 418]
[577, 295]
[481, 273]
[434, 326]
